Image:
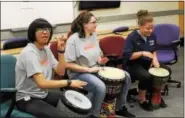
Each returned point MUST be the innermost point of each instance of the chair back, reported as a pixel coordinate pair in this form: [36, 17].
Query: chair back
[8, 63]
[166, 33]
[112, 45]
[120, 29]
[15, 43]
[167, 36]
[53, 47]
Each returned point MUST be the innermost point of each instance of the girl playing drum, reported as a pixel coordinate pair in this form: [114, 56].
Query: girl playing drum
[83, 55]
[140, 55]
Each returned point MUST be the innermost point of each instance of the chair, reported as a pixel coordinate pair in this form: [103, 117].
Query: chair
[182, 41]
[53, 47]
[167, 36]
[15, 43]
[7, 88]
[115, 52]
[120, 29]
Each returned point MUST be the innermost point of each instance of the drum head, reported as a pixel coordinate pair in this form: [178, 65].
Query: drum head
[77, 101]
[160, 72]
[112, 73]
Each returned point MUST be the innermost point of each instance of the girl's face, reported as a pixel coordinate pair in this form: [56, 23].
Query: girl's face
[91, 25]
[42, 35]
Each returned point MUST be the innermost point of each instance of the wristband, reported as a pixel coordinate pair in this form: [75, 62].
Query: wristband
[69, 82]
[61, 51]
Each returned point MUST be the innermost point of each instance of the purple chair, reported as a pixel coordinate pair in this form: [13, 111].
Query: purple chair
[120, 29]
[167, 36]
[16, 42]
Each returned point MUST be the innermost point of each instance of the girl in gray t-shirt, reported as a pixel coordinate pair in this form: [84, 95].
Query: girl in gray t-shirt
[83, 55]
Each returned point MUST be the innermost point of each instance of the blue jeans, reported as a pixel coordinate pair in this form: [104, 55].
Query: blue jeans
[122, 98]
[95, 86]
[98, 88]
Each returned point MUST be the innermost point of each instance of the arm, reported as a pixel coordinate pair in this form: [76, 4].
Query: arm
[60, 68]
[136, 55]
[43, 83]
[76, 67]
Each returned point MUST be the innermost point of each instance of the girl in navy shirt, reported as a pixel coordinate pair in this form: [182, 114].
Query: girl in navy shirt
[140, 54]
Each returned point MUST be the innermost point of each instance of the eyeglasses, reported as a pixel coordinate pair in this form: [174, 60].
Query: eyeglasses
[43, 29]
[94, 22]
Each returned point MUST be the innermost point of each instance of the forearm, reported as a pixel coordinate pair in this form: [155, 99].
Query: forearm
[136, 55]
[49, 84]
[61, 65]
[76, 67]
[43, 83]
[155, 56]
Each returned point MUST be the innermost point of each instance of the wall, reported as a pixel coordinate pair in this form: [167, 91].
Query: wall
[120, 16]
[163, 12]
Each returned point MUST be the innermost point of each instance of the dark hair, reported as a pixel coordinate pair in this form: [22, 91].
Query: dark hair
[38, 23]
[77, 24]
[144, 16]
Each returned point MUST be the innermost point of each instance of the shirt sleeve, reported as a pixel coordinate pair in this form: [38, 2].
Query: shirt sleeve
[70, 51]
[31, 64]
[128, 48]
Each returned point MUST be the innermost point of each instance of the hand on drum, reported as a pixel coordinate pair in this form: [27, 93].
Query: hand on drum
[94, 69]
[103, 60]
[155, 63]
[60, 43]
[78, 84]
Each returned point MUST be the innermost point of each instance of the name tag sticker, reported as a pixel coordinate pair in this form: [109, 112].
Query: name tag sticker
[151, 42]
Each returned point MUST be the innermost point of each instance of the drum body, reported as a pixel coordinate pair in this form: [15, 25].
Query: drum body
[113, 79]
[160, 77]
[74, 104]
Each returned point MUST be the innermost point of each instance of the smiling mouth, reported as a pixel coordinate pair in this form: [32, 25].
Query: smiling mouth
[45, 37]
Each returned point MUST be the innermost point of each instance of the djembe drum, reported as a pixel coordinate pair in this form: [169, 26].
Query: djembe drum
[113, 79]
[74, 104]
[160, 77]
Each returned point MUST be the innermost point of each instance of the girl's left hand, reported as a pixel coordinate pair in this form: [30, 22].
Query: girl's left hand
[103, 60]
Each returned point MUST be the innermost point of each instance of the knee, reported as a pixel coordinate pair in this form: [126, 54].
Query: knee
[146, 77]
[127, 79]
[101, 87]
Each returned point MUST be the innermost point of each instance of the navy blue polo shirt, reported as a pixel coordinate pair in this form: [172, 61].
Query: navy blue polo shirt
[135, 43]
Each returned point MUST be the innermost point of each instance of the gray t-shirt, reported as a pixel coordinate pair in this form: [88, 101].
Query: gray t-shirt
[82, 51]
[31, 61]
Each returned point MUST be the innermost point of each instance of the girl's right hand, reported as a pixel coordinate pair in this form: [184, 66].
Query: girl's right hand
[94, 69]
[78, 84]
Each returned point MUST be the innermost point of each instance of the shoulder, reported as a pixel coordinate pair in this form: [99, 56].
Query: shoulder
[29, 52]
[73, 37]
[133, 36]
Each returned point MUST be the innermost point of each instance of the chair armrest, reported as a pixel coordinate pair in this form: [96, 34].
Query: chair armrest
[176, 43]
[8, 90]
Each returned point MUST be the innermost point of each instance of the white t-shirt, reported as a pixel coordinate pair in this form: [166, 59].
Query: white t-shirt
[31, 61]
[82, 51]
